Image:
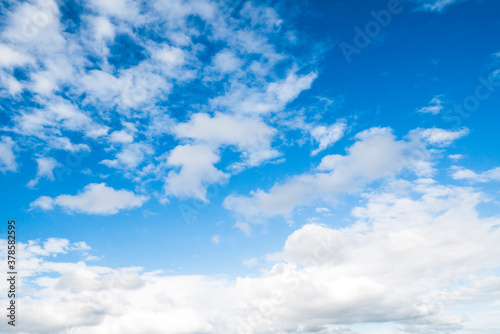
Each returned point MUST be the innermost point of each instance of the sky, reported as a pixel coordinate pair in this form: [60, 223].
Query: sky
[201, 166]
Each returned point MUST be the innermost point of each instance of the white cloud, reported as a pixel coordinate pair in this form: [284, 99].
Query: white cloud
[226, 61]
[173, 61]
[251, 262]
[376, 156]
[435, 106]
[460, 173]
[327, 136]
[64, 143]
[196, 163]
[131, 156]
[103, 28]
[322, 210]
[12, 85]
[95, 198]
[270, 98]
[456, 156]
[36, 22]
[243, 227]
[121, 137]
[80, 246]
[125, 9]
[75, 89]
[130, 88]
[45, 169]
[435, 5]
[365, 134]
[58, 115]
[382, 269]
[7, 156]
[53, 247]
[251, 136]
[216, 239]
[440, 137]
[43, 202]
[12, 58]
[261, 15]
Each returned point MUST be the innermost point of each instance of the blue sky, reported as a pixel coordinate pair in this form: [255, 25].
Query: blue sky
[193, 160]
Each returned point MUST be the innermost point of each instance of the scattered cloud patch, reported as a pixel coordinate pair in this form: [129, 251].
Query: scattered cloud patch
[456, 157]
[54, 246]
[460, 173]
[250, 135]
[243, 227]
[7, 157]
[251, 262]
[271, 97]
[435, 106]
[195, 164]
[95, 198]
[130, 157]
[45, 169]
[11, 57]
[365, 134]
[84, 77]
[322, 210]
[327, 136]
[440, 137]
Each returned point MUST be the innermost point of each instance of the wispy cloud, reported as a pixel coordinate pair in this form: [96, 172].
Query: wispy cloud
[327, 136]
[435, 106]
[7, 156]
[45, 169]
[435, 5]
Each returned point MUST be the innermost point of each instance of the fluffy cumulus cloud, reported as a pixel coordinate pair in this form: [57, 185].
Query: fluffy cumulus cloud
[95, 198]
[416, 256]
[196, 170]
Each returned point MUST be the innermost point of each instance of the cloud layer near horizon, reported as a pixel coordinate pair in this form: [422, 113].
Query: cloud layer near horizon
[417, 252]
